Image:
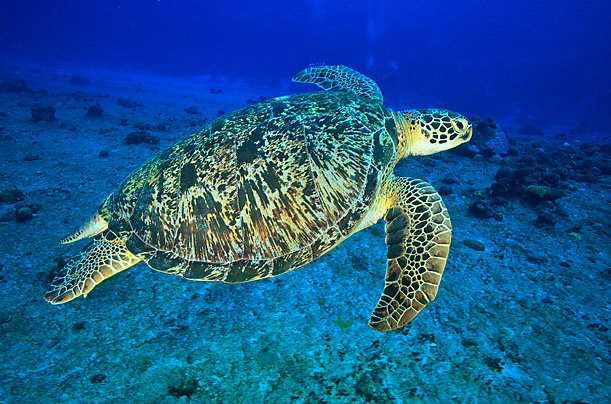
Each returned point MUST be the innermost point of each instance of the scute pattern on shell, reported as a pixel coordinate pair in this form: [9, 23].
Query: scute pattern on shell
[258, 192]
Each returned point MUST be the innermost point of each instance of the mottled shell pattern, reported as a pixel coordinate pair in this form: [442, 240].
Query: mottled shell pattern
[260, 191]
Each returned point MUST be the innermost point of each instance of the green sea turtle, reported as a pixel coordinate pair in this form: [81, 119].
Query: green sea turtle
[275, 185]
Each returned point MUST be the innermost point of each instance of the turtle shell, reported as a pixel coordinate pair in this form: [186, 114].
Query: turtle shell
[260, 191]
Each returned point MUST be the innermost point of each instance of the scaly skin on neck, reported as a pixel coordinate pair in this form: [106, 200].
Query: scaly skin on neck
[407, 125]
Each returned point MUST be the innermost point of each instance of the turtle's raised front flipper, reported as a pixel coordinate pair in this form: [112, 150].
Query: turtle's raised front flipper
[418, 236]
[340, 78]
[105, 256]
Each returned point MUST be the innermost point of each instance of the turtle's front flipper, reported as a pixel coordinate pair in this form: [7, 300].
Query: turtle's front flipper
[105, 256]
[418, 236]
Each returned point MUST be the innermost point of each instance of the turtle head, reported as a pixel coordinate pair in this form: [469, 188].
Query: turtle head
[428, 131]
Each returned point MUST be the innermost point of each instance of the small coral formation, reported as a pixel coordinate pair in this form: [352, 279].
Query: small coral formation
[185, 387]
[484, 129]
[20, 211]
[545, 193]
[15, 86]
[42, 113]
[94, 110]
[343, 324]
[545, 219]
[139, 137]
[475, 245]
[31, 156]
[11, 195]
[127, 102]
[23, 214]
[486, 208]
[499, 144]
[160, 127]
[489, 142]
[97, 378]
[192, 110]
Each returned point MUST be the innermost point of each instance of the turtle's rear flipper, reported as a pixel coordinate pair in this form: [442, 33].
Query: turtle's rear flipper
[92, 227]
[105, 256]
[340, 78]
[418, 238]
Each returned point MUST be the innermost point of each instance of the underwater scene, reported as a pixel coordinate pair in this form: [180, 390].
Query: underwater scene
[305, 202]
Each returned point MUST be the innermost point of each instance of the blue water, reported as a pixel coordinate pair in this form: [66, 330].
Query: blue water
[545, 63]
[522, 314]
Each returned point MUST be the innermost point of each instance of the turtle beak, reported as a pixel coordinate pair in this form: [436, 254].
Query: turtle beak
[467, 135]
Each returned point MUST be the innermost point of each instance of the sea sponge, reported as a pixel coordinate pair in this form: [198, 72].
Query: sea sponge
[544, 192]
[499, 144]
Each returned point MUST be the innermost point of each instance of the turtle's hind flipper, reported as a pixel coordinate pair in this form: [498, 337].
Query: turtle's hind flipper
[340, 78]
[105, 256]
[418, 237]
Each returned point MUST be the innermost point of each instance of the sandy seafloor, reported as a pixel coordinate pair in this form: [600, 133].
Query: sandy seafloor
[524, 321]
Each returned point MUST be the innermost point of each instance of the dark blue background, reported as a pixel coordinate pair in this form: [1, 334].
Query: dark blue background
[542, 62]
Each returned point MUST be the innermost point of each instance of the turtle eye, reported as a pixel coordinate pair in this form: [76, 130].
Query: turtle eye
[459, 124]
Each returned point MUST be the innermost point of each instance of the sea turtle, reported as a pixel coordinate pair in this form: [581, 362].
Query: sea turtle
[275, 185]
